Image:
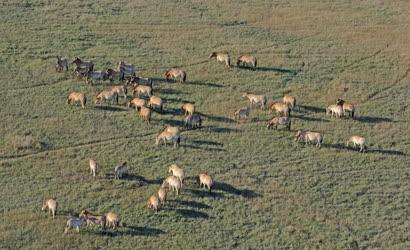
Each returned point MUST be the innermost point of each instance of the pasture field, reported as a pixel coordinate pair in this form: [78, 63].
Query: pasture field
[270, 192]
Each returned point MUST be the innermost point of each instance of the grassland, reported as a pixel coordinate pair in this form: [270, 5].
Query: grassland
[270, 192]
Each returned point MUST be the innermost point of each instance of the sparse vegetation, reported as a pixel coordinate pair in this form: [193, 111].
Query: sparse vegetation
[268, 191]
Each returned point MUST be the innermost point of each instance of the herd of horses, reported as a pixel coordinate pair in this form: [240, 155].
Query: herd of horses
[125, 75]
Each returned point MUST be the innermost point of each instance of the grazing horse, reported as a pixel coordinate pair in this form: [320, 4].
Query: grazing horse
[74, 97]
[89, 65]
[142, 89]
[153, 203]
[169, 134]
[93, 219]
[255, 99]
[193, 121]
[281, 120]
[347, 107]
[61, 63]
[206, 181]
[357, 141]
[135, 80]
[173, 183]
[127, 69]
[242, 113]
[280, 107]
[73, 223]
[137, 103]
[95, 76]
[115, 75]
[175, 73]
[308, 136]
[113, 220]
[247, 60]
[106, 95]
[121, 90]
[188, 108]
[51, 205]
[290, 101]
[221, 57]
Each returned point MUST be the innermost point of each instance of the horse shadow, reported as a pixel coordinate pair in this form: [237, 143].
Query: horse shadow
[217, 118]
[246, 193]
[171, 111]
[207, 142]
[369, 119]
[192, 204]
[205, 193]
[223, 130]
[388, 152]
[191, 214]
[70, 213]
[131, 231]
[310, 119]
[142, 180]
[271, 69]
[170, 91]
[159, 80]
[312, 109]
[203, 83]
[110, 108]
[193, 146]
[371, 151]
[175, 123]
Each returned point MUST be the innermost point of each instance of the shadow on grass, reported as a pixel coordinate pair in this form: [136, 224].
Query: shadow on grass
[192, 146]
[369, 119]
[207, 142]
[312, 109]
[142, 179]
[171, 111]
[367, 151]
[191, 214]
[205, 193]
[388, 152]
[176, 123]
[158, 80]
[170, 91]
[223, 130]
[217, 118]
[209, 84]
[131, 231]
[270, 69]
[246, 193]
[110, 108]
[192, 204]
[311, 119]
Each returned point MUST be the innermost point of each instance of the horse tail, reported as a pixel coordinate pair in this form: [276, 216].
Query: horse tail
[183, 76]
[228, 61]
[85, 100]
[256, 62]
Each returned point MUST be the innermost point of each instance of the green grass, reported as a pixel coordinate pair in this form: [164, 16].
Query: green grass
[270, 192]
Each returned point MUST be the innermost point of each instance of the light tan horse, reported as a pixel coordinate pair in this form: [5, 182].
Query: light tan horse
[206, 181]
[51, 205]
[74, 97]
[106, 95]
[247, 60]
[221, 57]
[121, 90]
[175, 73]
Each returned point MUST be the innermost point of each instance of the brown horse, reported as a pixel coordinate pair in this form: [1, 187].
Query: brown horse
[74, 97]
[175, 73]
[247, 60]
